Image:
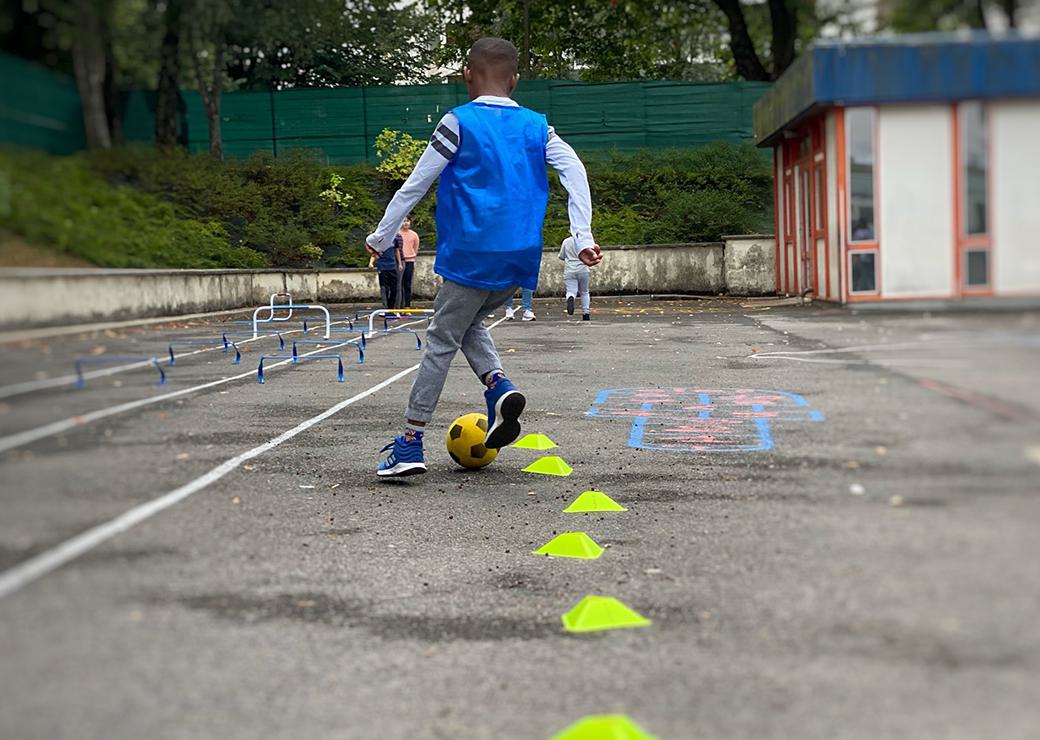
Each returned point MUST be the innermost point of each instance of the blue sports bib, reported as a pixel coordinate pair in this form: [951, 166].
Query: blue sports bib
[491, 199]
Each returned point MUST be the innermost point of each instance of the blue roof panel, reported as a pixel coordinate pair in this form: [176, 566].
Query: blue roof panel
[902, 69]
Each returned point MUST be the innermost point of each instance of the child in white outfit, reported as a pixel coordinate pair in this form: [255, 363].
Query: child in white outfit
[575, 277]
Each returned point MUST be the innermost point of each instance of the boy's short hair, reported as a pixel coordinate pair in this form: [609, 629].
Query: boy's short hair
[494, 55]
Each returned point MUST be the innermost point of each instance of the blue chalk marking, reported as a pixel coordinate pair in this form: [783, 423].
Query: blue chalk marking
[743, 425]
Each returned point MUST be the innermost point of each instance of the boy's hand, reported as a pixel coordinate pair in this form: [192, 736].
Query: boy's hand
[591, 256]
[371, 251]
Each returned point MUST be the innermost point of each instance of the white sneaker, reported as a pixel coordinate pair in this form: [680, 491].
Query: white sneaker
[528, 315]
[509, 313]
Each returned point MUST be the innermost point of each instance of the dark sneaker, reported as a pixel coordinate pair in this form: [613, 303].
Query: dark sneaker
[585, 317]
[405, 458]
[504, 404]
[570, 305]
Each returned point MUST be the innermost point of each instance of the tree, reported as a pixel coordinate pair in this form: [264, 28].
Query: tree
[915, 16]
[207, 33]
[783, 37]
[591, 39]
[168, 93]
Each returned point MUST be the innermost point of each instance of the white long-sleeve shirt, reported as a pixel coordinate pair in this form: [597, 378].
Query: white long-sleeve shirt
[441, 150]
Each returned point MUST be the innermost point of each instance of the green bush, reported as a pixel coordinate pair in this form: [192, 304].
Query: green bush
[136, 207]
[59, 201]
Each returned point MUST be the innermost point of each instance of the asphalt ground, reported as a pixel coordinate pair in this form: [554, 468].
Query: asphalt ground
[870, 573]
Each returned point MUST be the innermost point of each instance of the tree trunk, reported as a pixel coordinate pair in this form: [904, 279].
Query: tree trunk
[749, 66]
[216, 142]
[211, 91]
[88, 61]
[112, 113]
[169, 71]
[1011, 10]
[783, 17]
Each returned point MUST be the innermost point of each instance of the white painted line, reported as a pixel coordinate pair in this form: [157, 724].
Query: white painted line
[20, 439]
[36, 567]
[40, 565]
[17, 389]
[57, 331]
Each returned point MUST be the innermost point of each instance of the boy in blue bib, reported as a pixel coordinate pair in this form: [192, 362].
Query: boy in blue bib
[490, 155]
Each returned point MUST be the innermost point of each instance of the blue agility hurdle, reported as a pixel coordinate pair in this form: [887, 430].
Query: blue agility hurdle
[396, 313]
[320, 342]
[193, 342]
[331, 356]
[111, 359]
[306, 307]
[228, 342]
[418, 341]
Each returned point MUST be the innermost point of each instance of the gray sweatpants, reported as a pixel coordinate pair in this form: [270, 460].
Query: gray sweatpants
[457, 323]
[577, 283]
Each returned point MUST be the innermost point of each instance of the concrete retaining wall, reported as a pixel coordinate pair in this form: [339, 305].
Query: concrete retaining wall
[31, 297]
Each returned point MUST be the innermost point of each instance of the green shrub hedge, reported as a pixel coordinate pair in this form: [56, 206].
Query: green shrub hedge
[136, 207]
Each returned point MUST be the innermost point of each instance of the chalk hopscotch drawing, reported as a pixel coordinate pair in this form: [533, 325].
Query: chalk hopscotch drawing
[702, 419]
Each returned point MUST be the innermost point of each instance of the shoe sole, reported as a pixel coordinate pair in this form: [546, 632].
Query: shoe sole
[570, 306]
[507, 425]
[402, 469]
[530, 319]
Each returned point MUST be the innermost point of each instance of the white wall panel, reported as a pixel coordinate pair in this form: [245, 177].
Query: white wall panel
[915, 187]
[1015, 196]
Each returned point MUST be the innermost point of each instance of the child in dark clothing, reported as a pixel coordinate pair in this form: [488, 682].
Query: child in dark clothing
[390, 265]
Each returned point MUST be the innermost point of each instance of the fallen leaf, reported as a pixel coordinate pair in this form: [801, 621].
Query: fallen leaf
[236, 500]
[182, 456]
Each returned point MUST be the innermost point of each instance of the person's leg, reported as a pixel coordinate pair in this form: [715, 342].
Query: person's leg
[504, 402]
[455, 311]
[510, 311]
[570, 286]
[384, 288]
[583, 289]
[406, 284]
[395, 283]
[526, 298]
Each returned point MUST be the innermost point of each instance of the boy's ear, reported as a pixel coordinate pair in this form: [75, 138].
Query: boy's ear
[466, 74]
[516, 79]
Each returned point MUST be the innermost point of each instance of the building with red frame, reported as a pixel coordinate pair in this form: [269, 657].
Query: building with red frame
[907, 168]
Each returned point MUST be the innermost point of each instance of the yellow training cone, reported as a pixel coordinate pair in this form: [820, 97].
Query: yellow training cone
[549, 465]
[604, 727]
[593, 501]
[535, 442]
[595, 613]
[571, 545]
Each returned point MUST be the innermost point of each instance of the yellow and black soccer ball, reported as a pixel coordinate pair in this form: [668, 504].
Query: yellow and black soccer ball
[466, 441]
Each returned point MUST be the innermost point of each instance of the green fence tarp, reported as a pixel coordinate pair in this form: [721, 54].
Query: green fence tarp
[40, 109]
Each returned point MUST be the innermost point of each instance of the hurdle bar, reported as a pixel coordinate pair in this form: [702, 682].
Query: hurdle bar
[330, 356]
[193, 342]
[418, 341]
[106, 359]
[384, 312]
[227, 342]
[305, 307]
[288, 295]
[319, 342]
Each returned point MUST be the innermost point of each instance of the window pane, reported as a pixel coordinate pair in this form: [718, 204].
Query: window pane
[861, 173]
[819, 199]
[977, 273]
[863, 277]
[974, 163]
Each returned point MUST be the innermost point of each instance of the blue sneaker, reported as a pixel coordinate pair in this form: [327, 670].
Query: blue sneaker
[405, 458]
[505, 404]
